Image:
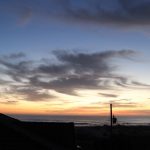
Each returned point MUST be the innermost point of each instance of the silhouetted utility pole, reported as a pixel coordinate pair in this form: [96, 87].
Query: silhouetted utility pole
[111, 126]
[111, 121]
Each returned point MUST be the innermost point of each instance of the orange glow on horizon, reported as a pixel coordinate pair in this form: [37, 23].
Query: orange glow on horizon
[91, 104]
[78, 112]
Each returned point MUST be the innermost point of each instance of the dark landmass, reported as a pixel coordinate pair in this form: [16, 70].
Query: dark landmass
[123, 138]
[19, 135]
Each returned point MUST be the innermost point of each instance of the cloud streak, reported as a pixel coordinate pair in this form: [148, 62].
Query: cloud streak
[124, 13]
[33, 94]
[9, 102]
[70, 73]
[80, 71]
[109, 95]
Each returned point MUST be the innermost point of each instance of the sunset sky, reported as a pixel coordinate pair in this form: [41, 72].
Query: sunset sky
[74, 57]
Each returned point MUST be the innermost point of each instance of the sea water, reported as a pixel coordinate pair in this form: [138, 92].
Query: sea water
[85, 120]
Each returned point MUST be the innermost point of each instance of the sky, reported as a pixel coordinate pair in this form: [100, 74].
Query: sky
[74, 57]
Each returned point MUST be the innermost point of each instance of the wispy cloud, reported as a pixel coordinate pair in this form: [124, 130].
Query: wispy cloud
[33, 93]
[121, 103]
[13, 56]
[9, 102]
[109, 95]
[70, 73]
[80, 71]
[124, 13]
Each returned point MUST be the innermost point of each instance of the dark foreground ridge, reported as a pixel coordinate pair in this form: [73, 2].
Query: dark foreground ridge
[19, 135]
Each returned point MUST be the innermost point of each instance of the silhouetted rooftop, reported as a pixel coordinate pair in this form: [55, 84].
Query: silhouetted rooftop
[18, 135]
[5, 118]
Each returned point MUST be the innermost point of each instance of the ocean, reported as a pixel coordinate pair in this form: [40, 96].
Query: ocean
[86, 120]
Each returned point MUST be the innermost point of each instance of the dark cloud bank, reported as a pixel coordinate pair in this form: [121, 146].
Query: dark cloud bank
[123, 13]
[70, 72]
